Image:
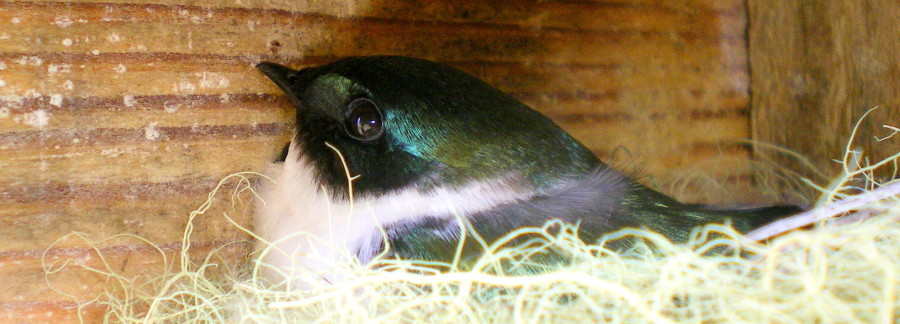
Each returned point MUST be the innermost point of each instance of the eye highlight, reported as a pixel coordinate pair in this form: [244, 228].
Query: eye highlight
[363, 121]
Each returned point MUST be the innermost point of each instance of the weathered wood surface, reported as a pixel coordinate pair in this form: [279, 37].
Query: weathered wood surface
[817, 67]
[120, 116]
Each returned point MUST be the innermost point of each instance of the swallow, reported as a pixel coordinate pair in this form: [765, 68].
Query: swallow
[391, 154]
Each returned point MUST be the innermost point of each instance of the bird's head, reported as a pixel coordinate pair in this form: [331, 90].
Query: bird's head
[401, 122]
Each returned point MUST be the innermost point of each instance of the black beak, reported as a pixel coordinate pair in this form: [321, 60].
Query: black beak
[284, 77]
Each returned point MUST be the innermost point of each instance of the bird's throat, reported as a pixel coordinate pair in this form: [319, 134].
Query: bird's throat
[308, 229]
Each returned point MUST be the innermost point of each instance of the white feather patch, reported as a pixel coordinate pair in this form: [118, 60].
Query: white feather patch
[311, 230]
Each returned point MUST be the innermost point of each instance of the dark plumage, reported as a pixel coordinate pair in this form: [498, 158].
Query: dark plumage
[417, 132]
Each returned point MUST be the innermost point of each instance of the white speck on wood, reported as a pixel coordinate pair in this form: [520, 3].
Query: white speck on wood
[38, 118]
[113, 152]
[151, 132]
[185, 86]
[67, 42]
[213, 80]
[113, 38]
[33, 93]
[120, 68]
[56, 99]
[63, 21]
[15, 20]
[128, 100]
[30, 60]
[59, 68]
[171, 106]
[12, 101]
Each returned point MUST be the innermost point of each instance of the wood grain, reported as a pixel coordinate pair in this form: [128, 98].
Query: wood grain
[119, 116]
[818, 66]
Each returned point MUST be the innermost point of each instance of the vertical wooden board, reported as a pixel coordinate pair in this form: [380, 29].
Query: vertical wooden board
[816, 68]
[119, 116]
[112, 123]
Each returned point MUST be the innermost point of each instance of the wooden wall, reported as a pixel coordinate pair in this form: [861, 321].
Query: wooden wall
[119, 116]
[817, 67]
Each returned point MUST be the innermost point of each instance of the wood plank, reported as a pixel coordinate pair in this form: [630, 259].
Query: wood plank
[38, 312]
[119, 116]
[675, 86]
[817, 66]
[701, 17]
[115, 163]
[82, 274]
[175, 30]
[666, 134]
[182, 116]
[157, 212]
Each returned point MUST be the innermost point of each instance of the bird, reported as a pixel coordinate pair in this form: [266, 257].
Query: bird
[392, 153]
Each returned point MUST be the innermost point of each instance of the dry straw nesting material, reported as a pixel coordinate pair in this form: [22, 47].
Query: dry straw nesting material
[839, 273]
[836, 271]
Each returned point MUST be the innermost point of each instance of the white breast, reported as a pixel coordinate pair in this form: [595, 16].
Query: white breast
[309, 230]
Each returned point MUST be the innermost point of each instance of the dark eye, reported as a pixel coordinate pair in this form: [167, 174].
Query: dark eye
[363, 120]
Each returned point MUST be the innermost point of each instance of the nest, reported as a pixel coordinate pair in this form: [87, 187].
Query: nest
[838, 269]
